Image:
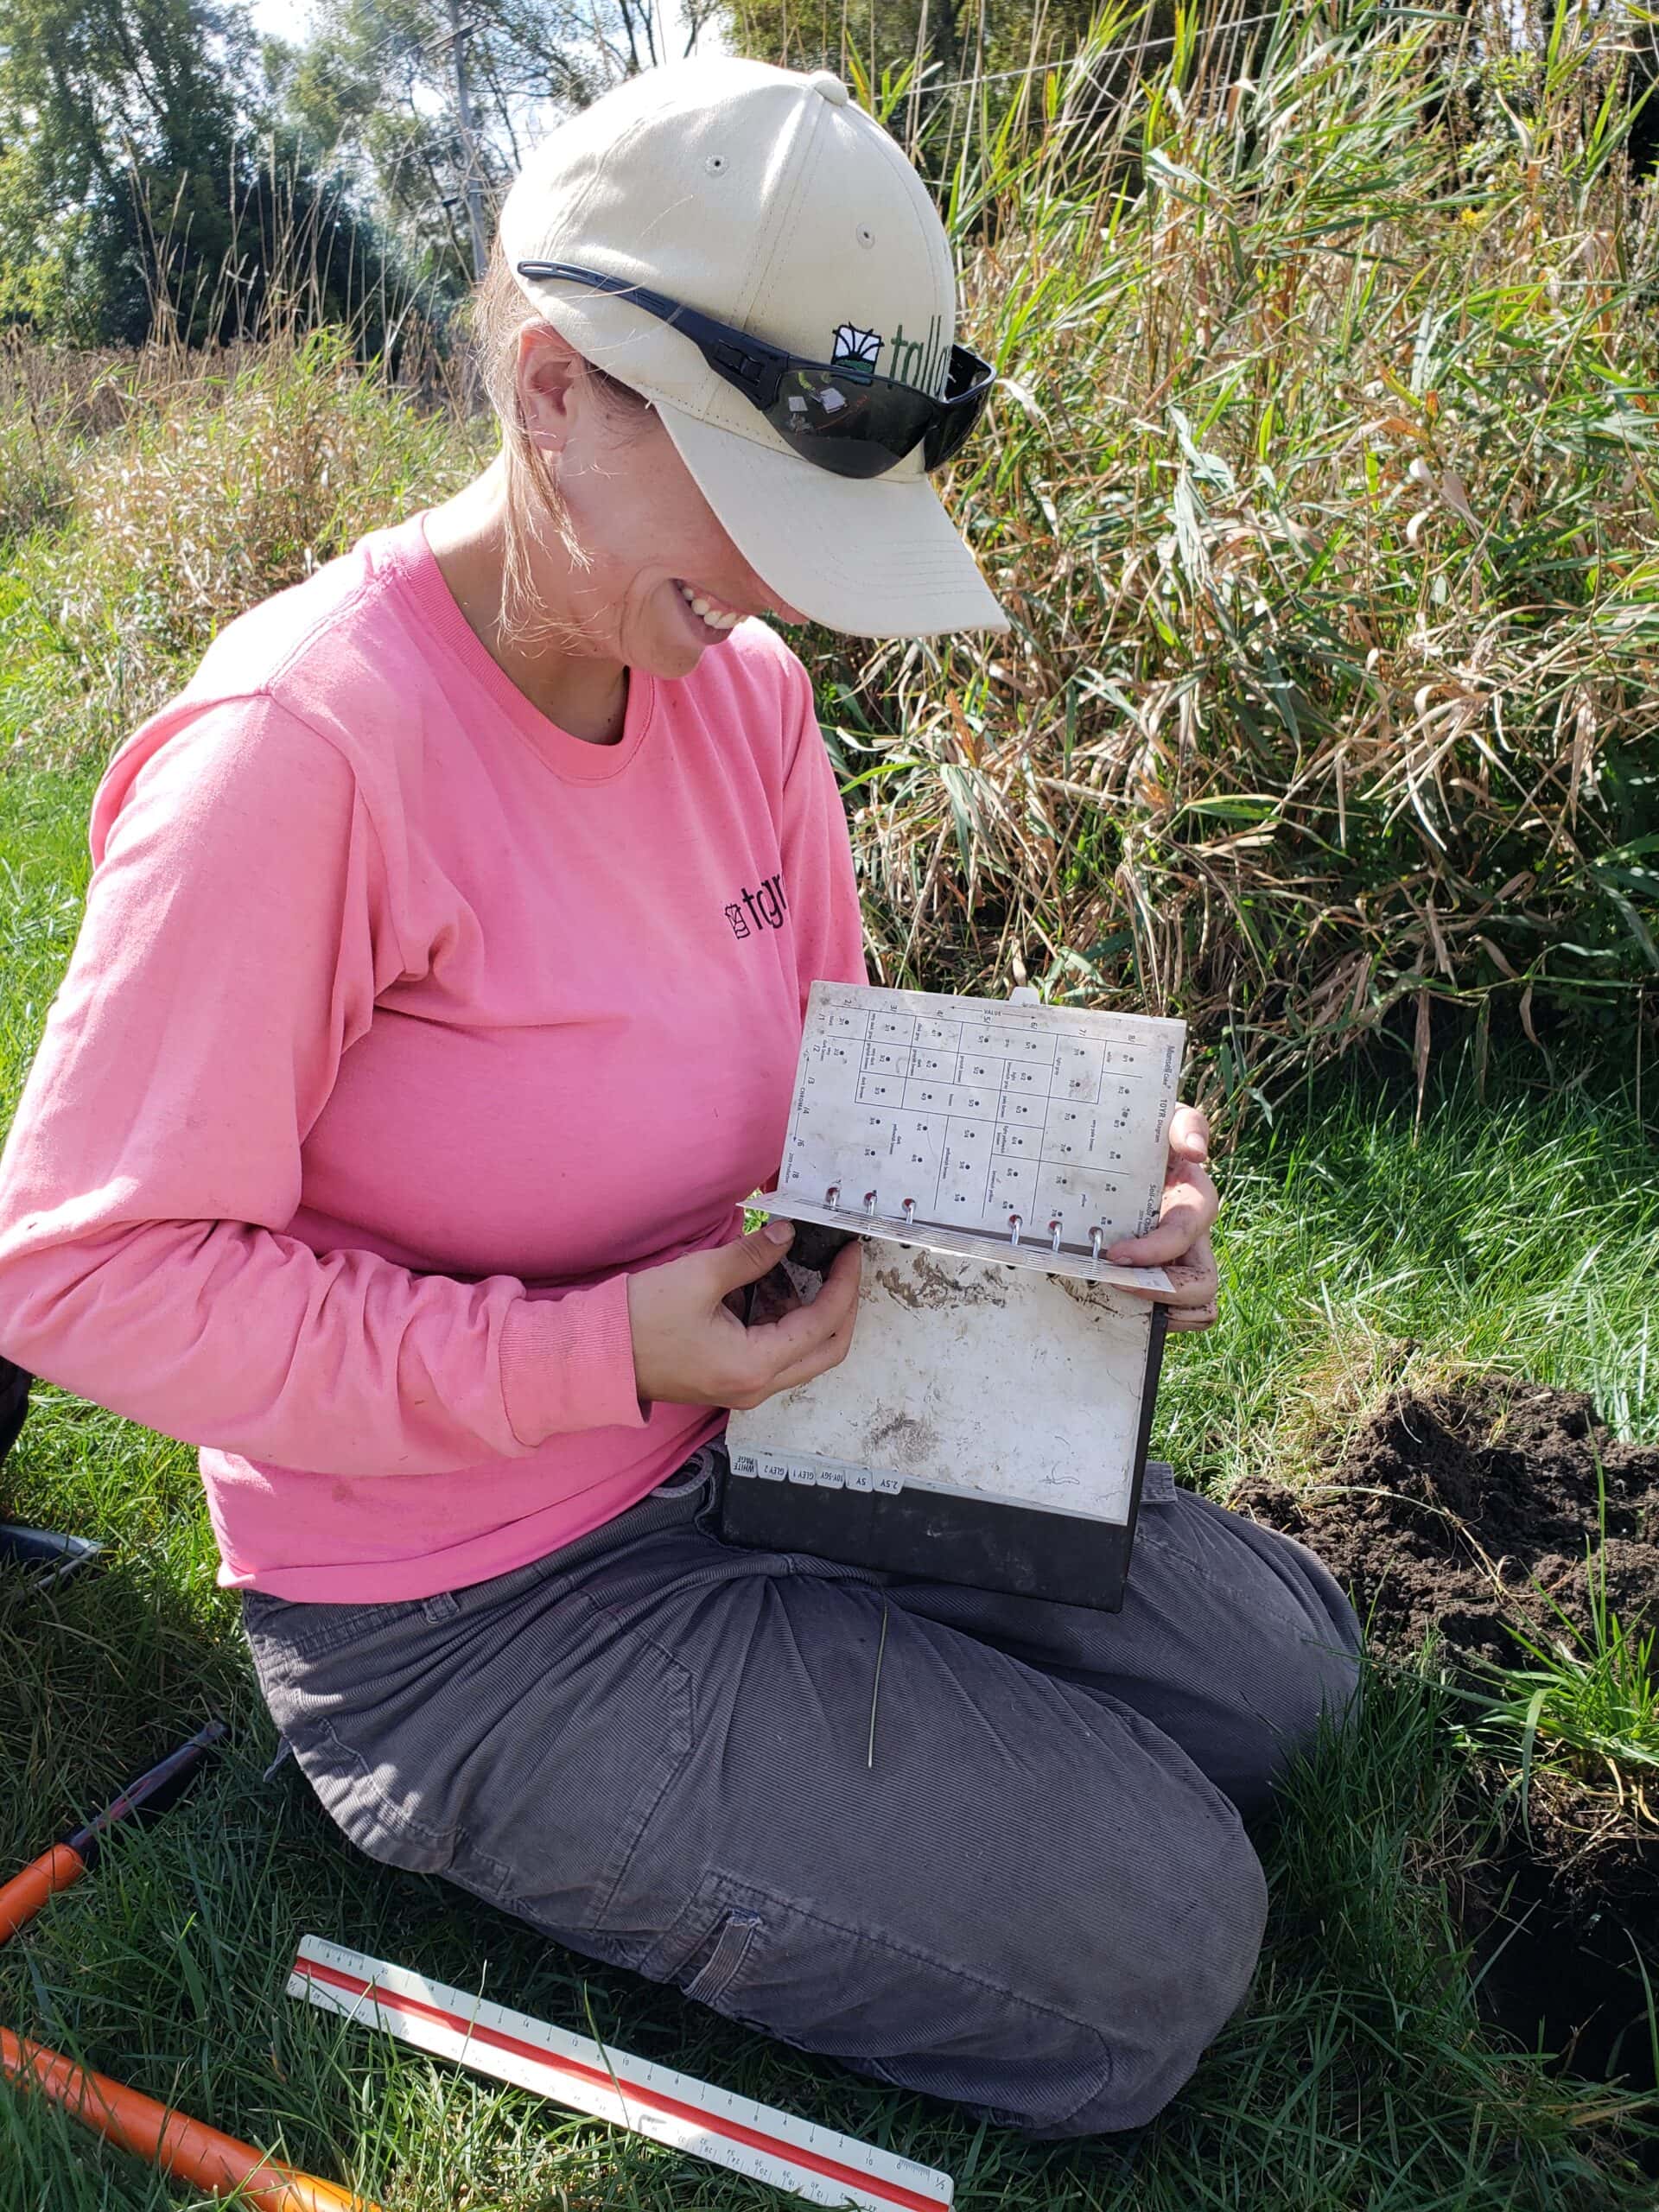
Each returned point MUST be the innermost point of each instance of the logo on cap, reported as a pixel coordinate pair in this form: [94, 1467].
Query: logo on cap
[922, 363]
[856, 351]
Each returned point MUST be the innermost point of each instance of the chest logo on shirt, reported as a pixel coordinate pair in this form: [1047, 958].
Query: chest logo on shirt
[756, 909]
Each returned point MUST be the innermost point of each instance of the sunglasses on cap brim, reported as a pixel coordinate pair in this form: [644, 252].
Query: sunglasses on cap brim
[838, 415]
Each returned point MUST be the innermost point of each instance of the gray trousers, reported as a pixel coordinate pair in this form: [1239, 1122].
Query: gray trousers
[1028, 1889]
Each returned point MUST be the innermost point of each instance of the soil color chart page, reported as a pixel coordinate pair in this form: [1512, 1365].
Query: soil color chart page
[984, 1114]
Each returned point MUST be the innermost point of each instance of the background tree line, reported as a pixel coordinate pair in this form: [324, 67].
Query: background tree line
[158, 151]
[168, 159]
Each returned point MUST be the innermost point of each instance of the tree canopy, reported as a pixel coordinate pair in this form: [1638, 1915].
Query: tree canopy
[161, 150]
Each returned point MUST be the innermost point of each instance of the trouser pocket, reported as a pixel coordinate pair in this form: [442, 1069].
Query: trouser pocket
[521, 1739]
[710, 1974]
[889, 2009]
[356, 1798]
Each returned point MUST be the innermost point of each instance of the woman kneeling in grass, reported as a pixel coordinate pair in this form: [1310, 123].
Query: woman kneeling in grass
[438, 997]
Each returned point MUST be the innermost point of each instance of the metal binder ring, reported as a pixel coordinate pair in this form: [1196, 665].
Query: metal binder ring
[1014, 1230]
[909, 1210]
[1094, 1236]
[869, 1202]
[832, 1196]
[1054, 1232]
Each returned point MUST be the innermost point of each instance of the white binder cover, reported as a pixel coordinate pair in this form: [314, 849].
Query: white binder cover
[971, 1379]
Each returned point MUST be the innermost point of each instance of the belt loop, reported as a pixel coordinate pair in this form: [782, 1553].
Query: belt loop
[689, 1475]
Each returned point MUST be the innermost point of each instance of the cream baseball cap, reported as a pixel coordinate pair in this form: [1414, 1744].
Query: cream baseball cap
[767, 199]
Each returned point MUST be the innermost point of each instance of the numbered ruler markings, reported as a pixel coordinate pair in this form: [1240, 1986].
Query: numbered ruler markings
[753, 2139]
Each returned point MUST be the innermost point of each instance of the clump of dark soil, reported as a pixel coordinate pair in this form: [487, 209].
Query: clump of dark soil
[1458, 1510]
[1470, 1511]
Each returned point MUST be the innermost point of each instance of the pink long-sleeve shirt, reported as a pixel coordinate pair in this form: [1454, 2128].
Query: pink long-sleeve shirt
[401, 1027]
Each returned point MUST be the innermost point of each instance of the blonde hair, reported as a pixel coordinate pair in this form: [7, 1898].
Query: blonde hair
[497, 310]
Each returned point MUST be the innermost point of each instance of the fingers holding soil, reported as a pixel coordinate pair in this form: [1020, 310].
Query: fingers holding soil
[806, 1306]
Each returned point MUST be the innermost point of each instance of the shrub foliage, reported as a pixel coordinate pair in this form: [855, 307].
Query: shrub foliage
[1320, 489]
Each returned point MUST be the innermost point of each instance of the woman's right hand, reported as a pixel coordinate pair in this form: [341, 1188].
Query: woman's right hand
[690, 1348]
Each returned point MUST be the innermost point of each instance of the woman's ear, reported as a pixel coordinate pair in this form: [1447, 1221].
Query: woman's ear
[548, 370]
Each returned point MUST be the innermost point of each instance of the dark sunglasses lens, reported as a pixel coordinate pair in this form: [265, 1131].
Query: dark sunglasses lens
[948, 431]
[850, 427]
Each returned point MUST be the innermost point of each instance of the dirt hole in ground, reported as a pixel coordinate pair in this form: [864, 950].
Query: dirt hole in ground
[1465, 1510]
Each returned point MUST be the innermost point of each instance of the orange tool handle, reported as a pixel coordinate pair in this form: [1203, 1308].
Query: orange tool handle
[186, 2148]
[21, 1897]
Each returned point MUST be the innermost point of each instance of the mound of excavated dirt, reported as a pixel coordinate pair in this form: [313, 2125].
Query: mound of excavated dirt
[1459, 1509]
[1458, 1512]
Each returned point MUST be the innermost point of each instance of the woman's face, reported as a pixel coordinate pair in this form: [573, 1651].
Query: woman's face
[653, 541]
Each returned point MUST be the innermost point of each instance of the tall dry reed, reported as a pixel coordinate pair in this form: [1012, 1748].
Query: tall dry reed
[1321, 489]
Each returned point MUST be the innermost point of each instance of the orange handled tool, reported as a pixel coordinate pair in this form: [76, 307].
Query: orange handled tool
[179, 2146]
[182, 2147]
[21, 1897]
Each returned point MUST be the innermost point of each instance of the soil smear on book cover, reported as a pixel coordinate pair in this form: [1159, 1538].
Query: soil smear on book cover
[1463, 1510]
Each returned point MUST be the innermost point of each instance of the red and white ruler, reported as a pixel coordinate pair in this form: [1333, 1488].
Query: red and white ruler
[692, 2116]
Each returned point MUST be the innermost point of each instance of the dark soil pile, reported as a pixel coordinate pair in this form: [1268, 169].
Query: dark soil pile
[1462, 1512]
[1458, 1510]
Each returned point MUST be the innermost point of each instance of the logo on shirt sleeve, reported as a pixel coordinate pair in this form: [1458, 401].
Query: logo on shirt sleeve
[752, 911]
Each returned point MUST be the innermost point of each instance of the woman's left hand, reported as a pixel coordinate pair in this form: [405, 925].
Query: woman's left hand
[1181, 1242]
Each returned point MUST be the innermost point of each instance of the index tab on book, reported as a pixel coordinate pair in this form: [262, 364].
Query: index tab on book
[1043, 1129]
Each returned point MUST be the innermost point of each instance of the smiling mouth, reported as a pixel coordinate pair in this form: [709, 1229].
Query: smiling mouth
[715, 619]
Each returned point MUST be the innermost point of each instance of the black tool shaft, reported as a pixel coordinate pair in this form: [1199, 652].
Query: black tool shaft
[152, 1794]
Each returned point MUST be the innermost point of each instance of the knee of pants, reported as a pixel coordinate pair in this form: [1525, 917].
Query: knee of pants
[1317, 1687]
[1105, 2017]
[1260, 1745]
[1186, 1973]
[1272, 1710]
[1250, 1640]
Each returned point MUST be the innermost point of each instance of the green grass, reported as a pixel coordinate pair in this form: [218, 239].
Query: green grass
[1355, 1249]
[1520, 1232]
[1589, 1702]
